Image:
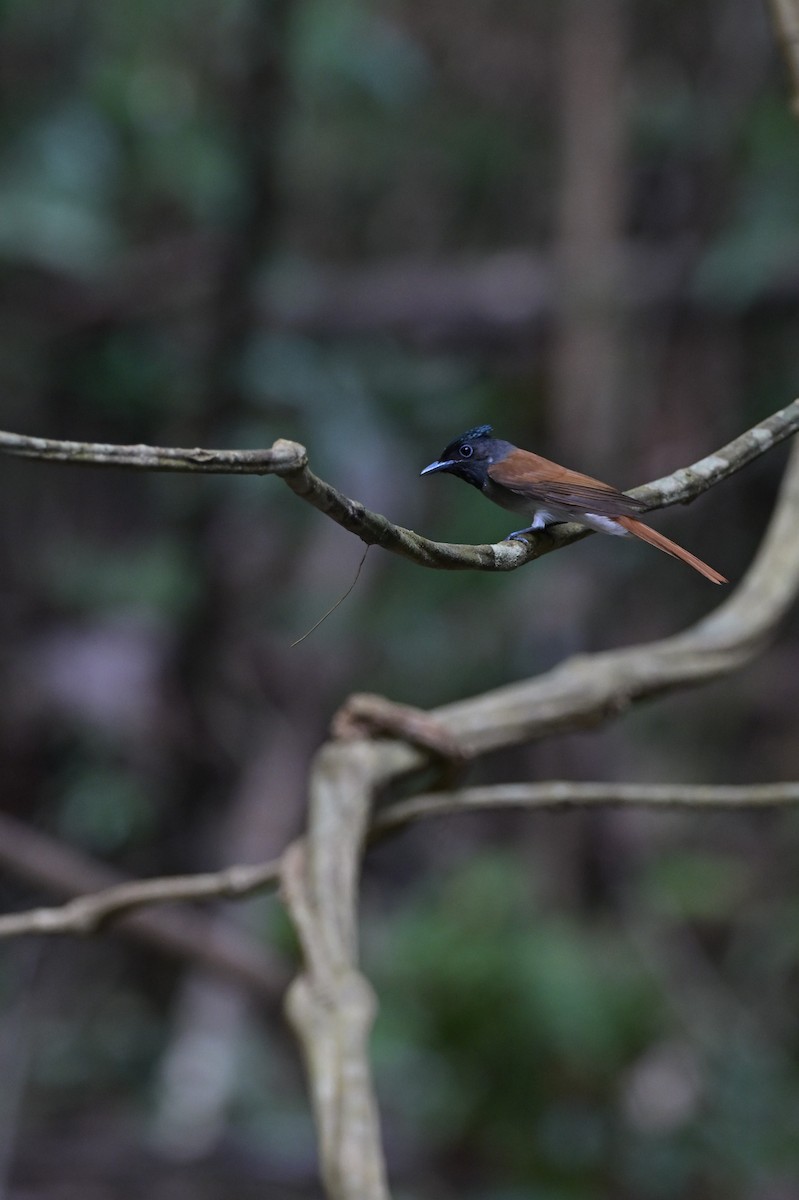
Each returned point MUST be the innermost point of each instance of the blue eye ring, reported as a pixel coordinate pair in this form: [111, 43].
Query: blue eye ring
[466, 451]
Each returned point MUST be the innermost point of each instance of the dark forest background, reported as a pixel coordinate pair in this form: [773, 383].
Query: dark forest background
[367, 226]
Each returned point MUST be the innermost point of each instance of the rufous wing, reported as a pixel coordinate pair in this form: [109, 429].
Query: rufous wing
[530, 475]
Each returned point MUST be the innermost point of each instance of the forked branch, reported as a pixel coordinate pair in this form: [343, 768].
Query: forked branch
[90, 913]
[331, 1004]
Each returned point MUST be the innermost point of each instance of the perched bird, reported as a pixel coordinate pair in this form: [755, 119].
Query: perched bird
[526, 483]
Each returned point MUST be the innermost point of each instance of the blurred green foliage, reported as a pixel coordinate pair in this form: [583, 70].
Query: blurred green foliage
[556, 1052]
[104, 809]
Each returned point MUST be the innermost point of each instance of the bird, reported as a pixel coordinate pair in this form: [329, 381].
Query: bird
[523, 482]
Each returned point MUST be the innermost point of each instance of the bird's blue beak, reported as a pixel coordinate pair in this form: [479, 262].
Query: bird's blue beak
[437, 466]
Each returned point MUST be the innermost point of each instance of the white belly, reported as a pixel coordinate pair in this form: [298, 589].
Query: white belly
[603, 524]
[551, 514]
[554, 516]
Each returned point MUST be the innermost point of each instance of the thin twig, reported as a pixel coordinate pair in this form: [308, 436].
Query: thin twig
[85, 914]
[337, 604]
[558, 794]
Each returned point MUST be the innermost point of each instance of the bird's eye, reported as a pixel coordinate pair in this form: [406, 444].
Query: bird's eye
[466, 451]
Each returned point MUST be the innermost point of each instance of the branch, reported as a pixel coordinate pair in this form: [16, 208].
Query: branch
[588, 690]
[330, 1004]
[580, 692]
[88, 913]
[290, 461]
[283, 456]
[560, 794]
[786, 20]
[686, 483]
[197, 937]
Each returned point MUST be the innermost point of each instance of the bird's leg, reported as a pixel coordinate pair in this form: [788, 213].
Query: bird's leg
[540, 521]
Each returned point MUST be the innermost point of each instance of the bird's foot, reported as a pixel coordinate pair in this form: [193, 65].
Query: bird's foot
[518, 536]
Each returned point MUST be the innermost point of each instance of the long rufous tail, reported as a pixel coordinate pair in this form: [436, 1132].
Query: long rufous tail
[647, 534]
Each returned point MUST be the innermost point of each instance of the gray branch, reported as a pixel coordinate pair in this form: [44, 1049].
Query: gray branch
[561, 794]
[290, 461]
[101, 895]
[89, 913]
[330, 1004]
[786, 22]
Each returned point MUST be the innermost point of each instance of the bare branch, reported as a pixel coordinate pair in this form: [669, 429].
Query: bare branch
[686, 483]
[206, 939]
[330, 1004]
[86, 914]
[786, 20]
[290, 461]
[587, 690]
[582, 691]
[566, 794]
[364, 714]
[283, 456]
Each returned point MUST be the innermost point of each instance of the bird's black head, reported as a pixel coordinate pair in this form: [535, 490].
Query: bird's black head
[469, 455]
